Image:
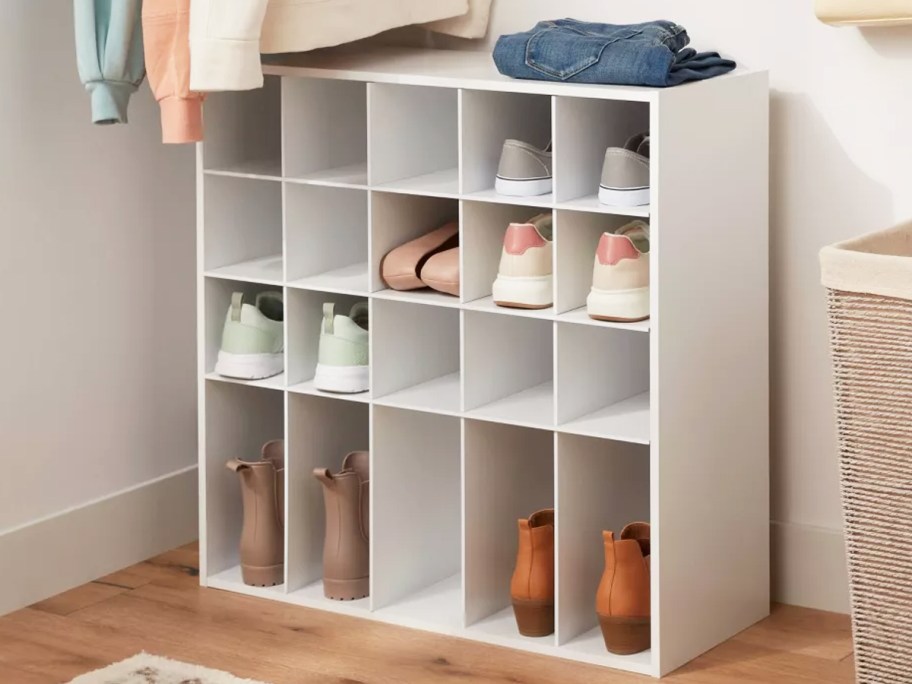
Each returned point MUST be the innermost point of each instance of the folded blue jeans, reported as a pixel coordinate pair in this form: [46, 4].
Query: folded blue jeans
[654, 53]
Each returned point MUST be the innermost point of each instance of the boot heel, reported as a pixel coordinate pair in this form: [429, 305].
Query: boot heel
[534, 618]
[346, 590]
[268, 576]
[625, 636]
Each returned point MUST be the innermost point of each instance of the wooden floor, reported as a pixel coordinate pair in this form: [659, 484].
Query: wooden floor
[158, 607]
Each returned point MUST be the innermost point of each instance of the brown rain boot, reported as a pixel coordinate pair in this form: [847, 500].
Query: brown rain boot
[622, 601]
[532, 586]
[346, 558]
[262, 536]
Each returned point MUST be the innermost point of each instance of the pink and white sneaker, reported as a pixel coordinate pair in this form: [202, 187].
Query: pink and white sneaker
[620, 277]
[524, 278]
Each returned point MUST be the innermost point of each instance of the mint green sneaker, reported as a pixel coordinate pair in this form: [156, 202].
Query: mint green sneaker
[343, 358]
[253, 339]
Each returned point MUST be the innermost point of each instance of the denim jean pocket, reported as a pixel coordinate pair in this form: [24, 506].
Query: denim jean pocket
[563, 53]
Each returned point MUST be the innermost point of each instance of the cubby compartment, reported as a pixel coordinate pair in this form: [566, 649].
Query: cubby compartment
[243, 229]
[416, 518]
[415, 356]
[577, 238]
[328, 142]
[244, 132]
[239, 420]
[483, 227]
[397, 219]
[327, 238]
[321, 432]
[509, 365]
[414, 139]
[509, 475]
[601, 485]
[303, 324]
[488, 119]
[218, 293]
[603, 382]
[584, 129]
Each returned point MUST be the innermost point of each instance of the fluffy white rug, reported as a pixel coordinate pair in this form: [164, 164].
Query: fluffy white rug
[150, 669]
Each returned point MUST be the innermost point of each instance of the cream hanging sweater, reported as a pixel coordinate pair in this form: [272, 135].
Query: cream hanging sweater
[227, 37]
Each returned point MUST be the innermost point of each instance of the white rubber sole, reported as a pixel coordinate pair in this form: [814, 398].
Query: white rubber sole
[618, 305]
[342, 379]
[249, 366]
[624, 198]
[533, 292]
[523, 188]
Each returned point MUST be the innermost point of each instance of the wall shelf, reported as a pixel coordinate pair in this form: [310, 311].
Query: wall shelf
[477, 414]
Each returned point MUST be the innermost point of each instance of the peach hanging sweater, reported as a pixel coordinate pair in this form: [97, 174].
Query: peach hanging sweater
[166, 35]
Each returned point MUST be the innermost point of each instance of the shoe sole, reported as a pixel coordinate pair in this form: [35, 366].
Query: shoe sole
[346, 590]
[342, 379]
[534, 292]
[626, 306]
[523, 188]
[534, 618]
[625, 636]
[619, 197]
[249, 366]
[263, 576]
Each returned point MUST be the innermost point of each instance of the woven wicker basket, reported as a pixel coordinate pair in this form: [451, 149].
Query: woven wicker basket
[870, 308]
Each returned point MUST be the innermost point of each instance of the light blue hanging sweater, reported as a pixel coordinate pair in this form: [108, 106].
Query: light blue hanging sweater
[109, 54]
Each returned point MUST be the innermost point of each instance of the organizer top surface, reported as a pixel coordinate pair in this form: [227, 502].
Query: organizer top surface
[446, 68]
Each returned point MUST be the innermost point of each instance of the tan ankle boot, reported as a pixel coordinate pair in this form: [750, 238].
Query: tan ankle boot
[346, 557]
[532, 586]
[263, 496]
[622, 601]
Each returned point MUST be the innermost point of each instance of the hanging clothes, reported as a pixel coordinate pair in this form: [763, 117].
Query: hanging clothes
[227, 37]
[166, 35]
[109, 54]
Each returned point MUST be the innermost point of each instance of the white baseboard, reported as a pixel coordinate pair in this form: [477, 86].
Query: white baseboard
[809, 567]
[57, 553]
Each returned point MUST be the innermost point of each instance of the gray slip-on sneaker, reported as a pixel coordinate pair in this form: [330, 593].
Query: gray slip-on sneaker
[524, 170]
[625, 175]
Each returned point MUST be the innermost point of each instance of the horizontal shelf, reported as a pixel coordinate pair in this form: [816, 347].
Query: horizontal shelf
[437, 184]
[491, 195]
[501, 627]
[440, 395]
[351, 280]
[625, 421]
[533, 407]
[487, 305]
[265, 270]
[591, 647]
[257, 168]
[276, 382]
[591, 203]
[438, 606]
[581, 317]
[231, 580]
[424, 296]
[352, 176]
[308, 388]
[312, 596]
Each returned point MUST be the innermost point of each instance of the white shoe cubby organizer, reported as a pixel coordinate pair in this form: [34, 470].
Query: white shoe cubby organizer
[480, 415]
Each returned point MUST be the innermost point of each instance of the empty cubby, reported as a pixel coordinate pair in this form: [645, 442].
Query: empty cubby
[326, 243]
[603, 382]
[488, 119]
[244, 132]
[414, 138]
[328, 141]
[242, 236]
[509, 475]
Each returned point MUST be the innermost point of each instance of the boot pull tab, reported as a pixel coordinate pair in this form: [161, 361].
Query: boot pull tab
[236, 465]
[324, 476]
[328, 317]
[237, 299]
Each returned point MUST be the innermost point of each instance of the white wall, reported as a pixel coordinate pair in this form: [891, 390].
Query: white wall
[97, 286]
[841, 144]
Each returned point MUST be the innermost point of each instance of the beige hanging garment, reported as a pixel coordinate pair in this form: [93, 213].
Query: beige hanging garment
[865, 12]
